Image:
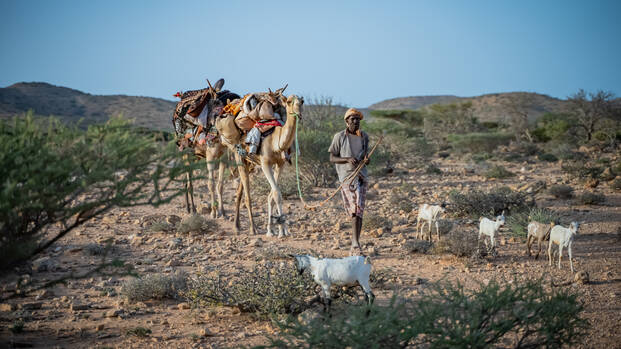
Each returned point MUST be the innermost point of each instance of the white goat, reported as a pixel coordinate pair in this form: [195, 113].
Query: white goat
[428, 214]
[564, 237]
[490, 228]
[342, 271]
[537, 231]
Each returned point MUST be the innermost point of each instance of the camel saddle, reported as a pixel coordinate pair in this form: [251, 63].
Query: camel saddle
[257, 107]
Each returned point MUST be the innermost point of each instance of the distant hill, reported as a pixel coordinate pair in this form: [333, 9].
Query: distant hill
[489, 107]
[71, 105]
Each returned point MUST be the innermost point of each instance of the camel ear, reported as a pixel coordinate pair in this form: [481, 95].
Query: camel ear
[218, 85]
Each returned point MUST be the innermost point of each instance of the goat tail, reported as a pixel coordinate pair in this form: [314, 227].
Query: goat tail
[367, 260]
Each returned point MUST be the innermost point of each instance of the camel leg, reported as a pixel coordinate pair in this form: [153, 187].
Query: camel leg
[275, 191]
[219, 184]
[238, 196]
[550, 253]
[268, 225]
[438, 230]
[245, 182]
[211, 168]
[282, 227]
[269, 174]
[189, 190]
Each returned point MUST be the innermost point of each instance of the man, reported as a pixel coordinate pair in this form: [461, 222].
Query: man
[348, 149]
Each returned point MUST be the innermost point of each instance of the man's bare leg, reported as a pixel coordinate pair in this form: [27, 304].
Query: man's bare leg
[355, 237]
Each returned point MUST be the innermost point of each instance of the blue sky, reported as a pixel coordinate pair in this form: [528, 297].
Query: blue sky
[358, 52]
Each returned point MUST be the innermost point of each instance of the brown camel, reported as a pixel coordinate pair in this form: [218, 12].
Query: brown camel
[271, 159]
[212, 152]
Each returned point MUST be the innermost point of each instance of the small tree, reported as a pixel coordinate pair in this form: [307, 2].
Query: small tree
[444, 119]
[591, 109]
[57, 174]
[518, 106]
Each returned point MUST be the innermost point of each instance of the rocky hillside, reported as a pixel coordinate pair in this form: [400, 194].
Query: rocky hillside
[489, 107]
[72, 105]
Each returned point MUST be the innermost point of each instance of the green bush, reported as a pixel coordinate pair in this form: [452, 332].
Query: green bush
[498, 172]
[518, 222]
[589, 198]
[478, 203]
[523, 313]
[552, 127]
[547, 157]
[411, 117]
[561, 191]
[433, 170]
[154, 286]
[314, 159]
[582, 170]
[53, 173]
[478, 142]
[138, 332]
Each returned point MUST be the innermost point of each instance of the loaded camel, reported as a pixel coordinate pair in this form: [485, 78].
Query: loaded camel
[211, 151]
[271, 155]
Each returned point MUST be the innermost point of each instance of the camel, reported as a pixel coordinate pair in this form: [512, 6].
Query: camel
[212, 152]
[272, 160]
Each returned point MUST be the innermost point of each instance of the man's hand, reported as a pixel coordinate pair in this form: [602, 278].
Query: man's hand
[353, 161]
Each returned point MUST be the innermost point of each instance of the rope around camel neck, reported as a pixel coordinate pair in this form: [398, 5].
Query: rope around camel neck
[348, 178]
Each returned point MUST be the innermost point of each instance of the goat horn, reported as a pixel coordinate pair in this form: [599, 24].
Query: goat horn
[209, 83]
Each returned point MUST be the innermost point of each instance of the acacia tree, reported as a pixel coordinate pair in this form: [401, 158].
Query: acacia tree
[55, 178]
[517, 106]
[591, 109]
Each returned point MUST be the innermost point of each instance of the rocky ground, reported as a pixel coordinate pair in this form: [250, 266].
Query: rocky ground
[90, 312]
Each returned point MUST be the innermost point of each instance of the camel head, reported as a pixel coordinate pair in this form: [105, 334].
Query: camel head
[294, 105]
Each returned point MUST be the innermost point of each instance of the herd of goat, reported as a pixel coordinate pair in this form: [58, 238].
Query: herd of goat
[563, 237]
[357, 269]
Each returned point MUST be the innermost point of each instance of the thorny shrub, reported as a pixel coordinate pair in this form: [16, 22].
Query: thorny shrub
[460, 243]
[476, 203]
[498, 172]
[522, 313]
[518, 222]
[590, 198]
[154, 286]
[196, 223]
[561, 191]
[582, 170]
[375, 221]
[417, 246]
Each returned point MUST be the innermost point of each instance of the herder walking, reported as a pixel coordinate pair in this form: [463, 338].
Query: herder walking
[348, 149]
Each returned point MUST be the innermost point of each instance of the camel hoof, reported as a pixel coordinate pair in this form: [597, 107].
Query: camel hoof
[269, 234]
